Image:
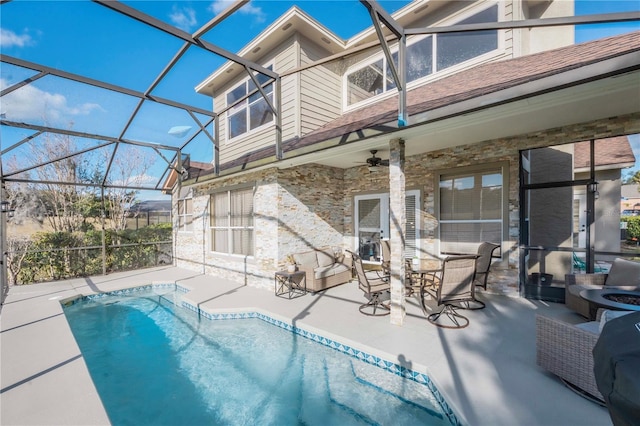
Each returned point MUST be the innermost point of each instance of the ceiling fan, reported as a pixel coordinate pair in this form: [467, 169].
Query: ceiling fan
[375, 162]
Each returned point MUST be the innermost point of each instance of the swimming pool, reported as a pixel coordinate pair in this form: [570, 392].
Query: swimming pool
[156, 363]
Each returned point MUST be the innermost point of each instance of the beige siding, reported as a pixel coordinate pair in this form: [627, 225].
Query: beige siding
[286, 60]
[320, 90]
[283, 58]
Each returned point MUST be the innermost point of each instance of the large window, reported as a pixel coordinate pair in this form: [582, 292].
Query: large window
[232, 222]
[251, 112]
[471, 209]
[443, 50]
[185, 214]
[454, 48]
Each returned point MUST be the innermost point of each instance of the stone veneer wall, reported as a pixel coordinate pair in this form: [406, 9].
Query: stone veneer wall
[193, 248]
[419, 175]
[312, 205]
[311, 209]
[294, 210]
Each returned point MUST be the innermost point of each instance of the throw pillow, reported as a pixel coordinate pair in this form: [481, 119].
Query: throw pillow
[308, 259]
[325, 257]
[624, 273]
[608, 315]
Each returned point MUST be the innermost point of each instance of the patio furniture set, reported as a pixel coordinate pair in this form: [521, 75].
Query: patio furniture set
[566, 349]
[452, 285]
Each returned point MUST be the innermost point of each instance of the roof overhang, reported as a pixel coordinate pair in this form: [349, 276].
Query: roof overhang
[605, 89]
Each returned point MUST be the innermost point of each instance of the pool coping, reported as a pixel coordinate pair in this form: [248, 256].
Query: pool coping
[343, 345]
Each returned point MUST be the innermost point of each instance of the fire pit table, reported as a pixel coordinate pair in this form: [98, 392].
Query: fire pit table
[619, 300]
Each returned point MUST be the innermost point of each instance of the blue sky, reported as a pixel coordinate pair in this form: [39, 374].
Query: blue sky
[88, 39]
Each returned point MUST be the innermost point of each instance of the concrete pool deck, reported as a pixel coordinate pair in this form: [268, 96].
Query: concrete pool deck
[486, 372]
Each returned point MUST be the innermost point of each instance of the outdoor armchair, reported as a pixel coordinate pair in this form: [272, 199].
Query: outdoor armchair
[483, 264]
[624, 275]
[375, 288]
[452, 286]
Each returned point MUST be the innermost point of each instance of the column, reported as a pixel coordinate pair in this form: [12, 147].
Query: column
[397, 213]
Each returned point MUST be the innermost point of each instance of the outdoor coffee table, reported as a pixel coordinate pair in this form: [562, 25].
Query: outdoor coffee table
[292, 284]
[606, 298]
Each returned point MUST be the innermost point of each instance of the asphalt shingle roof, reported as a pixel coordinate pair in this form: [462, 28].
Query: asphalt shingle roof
[465, 85]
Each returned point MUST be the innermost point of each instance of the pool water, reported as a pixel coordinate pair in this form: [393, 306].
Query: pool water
[155, 363]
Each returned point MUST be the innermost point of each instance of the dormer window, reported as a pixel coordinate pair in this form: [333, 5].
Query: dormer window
[425, 56]
[253, 111]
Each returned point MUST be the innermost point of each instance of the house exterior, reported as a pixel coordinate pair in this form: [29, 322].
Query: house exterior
[478, 105]
[630, 199]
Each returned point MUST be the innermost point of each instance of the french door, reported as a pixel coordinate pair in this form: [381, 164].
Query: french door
[372, 222]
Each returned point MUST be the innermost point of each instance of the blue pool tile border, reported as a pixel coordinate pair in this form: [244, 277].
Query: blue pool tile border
[340, 347]
[124, 292]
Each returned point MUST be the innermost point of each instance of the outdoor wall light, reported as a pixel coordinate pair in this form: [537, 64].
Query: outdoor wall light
[6, 208]
[593, 188]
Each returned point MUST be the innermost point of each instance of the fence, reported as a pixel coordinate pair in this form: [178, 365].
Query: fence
[33, 266]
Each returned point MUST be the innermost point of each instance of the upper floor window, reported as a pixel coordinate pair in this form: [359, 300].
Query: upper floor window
[231, 222]
[185, 214]
[251, 112]
[425, 56]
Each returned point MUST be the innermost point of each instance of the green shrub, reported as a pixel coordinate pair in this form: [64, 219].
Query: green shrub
[60, 255]
[633, 227]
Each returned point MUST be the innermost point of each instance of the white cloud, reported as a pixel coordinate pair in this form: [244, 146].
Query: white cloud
[183, 18]
[10, 39]
[30, 103]
[248, 9]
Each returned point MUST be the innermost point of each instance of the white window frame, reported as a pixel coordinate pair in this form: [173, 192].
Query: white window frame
[500, 167]
[229, 227]
[247, 107]
[185, 218]
[435, 73]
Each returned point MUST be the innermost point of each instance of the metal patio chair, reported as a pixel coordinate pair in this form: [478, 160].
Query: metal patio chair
[452, 286]
[375, 288]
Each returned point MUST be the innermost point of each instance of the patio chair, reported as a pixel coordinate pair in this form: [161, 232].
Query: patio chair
[385, 246]
[376, 290]
[580, 265]
[453, 285]
[483, 265]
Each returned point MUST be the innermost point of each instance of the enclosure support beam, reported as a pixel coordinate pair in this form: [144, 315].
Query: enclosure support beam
[103, 217]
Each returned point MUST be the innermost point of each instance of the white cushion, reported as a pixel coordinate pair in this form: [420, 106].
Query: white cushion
[309, 259]
[624, 273]
[608, 315]
[325, 257]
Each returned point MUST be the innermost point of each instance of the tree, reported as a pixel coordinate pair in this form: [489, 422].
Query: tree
[17, 249]
[59, 169]
[128, 170]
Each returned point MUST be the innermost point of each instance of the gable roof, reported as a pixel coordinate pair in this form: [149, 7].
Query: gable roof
[523, 76]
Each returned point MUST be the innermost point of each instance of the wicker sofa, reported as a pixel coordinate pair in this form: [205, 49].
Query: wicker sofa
[323, 268]
[566, 350]
[624, 275]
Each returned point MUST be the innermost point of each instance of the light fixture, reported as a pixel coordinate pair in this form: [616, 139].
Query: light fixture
[593, 188]
[374, 169]
[5, 207]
